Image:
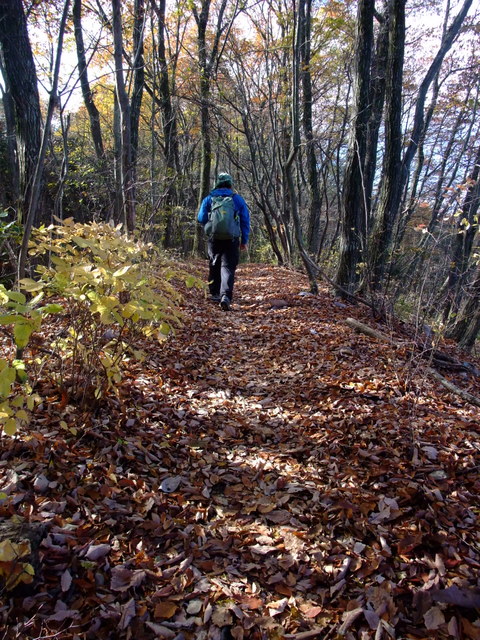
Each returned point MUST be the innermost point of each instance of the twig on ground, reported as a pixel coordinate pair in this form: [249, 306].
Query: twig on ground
[363, 328]
[313, 633]
[453, 388]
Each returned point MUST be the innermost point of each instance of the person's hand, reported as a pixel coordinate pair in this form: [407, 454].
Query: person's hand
[243, 247]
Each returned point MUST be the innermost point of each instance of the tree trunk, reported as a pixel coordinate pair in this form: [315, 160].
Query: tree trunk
[37, 181]
[419, 118]
[207, 62]
[445, 181]
[128, 202]
[169, 125]
[118, 208]
[467, 326]
[353, 229]
[138, 86]
[463, 244]
[305, 23]
[58, 204]
[206, 144]
[169, 119]
[272, 222]
[93, 113]
[13, 187]
[22, 80]
[422, 120]
[377, 101]
[390, 186]
[395, 173]
[295, 144]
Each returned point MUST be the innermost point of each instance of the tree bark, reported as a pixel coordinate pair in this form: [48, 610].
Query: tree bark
[118, 208]
[13, 186]
[206, 144]
[377, 102]
[93, 113]
[419, 118]
[353, 222]
[138, 86]
[467, 326]
[390, 186]
[169, 124]
[138, 73]
[467, 229]
[295, 144]
[395, 173]
[128, 202]
[37, 180]
[22, 80]
[305, 24]
[207, 63]
[205, 68]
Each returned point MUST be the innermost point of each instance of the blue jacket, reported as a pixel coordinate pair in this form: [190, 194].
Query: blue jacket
[240, 208]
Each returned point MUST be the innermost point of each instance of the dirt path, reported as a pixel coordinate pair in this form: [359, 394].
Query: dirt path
[269, 474]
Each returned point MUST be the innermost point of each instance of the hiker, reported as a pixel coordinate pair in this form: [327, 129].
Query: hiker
[226, 221]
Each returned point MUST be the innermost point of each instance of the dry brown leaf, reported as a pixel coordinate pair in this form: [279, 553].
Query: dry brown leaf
[165, 610]
[251, 602]
[221, 616]
[469, 598]
[434, 618]
[66, 580]
[123, 579]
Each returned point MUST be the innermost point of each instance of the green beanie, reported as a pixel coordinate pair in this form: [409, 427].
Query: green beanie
[224, 180]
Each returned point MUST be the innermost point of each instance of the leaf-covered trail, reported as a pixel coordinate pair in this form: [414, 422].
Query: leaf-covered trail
[269, 474]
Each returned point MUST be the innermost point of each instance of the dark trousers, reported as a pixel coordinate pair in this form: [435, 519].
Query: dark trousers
[223, 258]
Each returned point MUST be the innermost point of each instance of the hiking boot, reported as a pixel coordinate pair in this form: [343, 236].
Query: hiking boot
[225, 303]
[215, 297]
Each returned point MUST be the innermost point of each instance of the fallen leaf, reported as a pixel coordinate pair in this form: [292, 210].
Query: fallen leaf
[63, 614]
[262, 549]
[250, 602]
[66, 580]
[170, 485]
[40, 484]
[277, 607]
[279, 516]
[194, 607]
[165, 609]
[10, 550]
[161, 631]
[469, 598]
[122, 579]
[348, 619]
[15, 573]
[372, 618]
[430, 452]
[221, 616]
[470, 630]
[434, 618]
[128, 613]
[96, 552]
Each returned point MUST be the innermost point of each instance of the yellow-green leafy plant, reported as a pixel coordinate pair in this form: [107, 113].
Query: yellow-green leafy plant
[17, 398]
[114, 290]
[24, 315]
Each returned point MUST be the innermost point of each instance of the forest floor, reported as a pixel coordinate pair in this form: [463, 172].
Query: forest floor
[265, 473]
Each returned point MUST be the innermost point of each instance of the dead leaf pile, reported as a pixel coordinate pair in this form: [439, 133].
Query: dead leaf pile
[265, 473]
